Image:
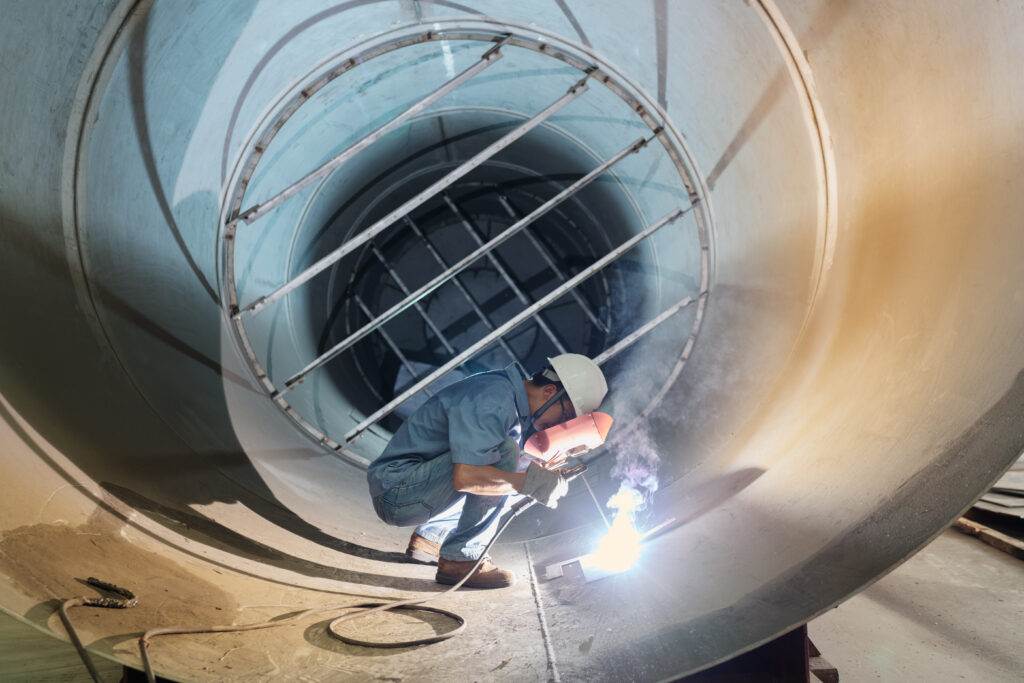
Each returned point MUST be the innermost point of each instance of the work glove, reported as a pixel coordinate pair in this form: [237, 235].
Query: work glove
[544, 486]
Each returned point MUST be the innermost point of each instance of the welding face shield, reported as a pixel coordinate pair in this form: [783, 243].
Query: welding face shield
[583, 386]
[572, 438]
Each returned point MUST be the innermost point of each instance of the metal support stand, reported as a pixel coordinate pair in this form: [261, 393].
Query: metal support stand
[788, 658]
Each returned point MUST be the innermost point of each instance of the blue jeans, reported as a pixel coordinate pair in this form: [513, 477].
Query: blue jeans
[420, 493]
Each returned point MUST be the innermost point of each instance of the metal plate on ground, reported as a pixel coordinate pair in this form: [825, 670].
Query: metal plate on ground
[1006, 500]
[1011, 482]
[999, 509]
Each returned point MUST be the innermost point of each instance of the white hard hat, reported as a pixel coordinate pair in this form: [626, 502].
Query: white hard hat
[583, 381]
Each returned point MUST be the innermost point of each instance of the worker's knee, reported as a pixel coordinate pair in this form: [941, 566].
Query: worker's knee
[401, 513]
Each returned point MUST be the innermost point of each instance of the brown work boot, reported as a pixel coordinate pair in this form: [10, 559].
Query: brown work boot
[422, 550]
[489, 575]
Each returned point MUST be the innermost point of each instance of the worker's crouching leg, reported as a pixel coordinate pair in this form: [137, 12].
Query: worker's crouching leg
[413, 492]
[481, 515]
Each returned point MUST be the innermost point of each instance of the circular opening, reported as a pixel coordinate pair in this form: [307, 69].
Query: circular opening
[534, 262]
[498, 224]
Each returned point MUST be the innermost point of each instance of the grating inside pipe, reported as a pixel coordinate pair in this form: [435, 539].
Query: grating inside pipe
[476, 262]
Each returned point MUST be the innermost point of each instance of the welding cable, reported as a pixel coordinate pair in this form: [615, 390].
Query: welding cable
[362, 609]
[145, 640]
[365, 609]
[126, 600]
[416, 604]
[147, 637]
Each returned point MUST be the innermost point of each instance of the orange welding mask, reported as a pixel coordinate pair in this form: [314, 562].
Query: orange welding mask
[569, 439]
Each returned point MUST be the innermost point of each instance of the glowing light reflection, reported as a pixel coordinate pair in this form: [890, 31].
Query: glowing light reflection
[619, 549]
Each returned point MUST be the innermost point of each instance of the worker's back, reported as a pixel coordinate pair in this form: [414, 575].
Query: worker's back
[473, 414]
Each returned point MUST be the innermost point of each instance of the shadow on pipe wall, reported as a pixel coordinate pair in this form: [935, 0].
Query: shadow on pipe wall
[93, 419]
[81, 395]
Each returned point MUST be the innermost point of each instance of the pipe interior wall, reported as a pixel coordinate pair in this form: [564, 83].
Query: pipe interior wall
[855, 384]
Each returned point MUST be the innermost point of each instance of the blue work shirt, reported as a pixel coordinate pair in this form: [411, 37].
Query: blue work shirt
[470, 418]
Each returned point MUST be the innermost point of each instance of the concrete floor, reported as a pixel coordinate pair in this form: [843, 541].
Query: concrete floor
[955, 611]
[28, 655]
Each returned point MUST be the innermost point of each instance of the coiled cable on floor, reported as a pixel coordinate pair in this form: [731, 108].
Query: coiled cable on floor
[361, 609]
[365, 609]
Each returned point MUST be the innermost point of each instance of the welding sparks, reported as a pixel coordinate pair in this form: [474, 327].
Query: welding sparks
[620, 548]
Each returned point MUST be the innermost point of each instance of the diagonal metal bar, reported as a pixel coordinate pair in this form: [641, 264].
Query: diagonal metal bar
[644, 329]
[465, 292]
[405, 290]
[384, 223]
[600, 508]
[553, 265]
[391, 342]
[257, 210]
[461, 265]
[496, 263]
[465, 355]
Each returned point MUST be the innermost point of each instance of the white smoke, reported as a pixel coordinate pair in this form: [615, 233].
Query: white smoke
[636, 464]
[636, 377]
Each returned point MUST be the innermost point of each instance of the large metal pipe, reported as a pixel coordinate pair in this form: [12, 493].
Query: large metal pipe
[855, 383]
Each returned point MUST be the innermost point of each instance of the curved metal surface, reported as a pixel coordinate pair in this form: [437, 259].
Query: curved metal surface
[857, 382]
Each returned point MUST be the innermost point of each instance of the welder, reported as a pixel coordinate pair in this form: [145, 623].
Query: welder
[456, 463]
